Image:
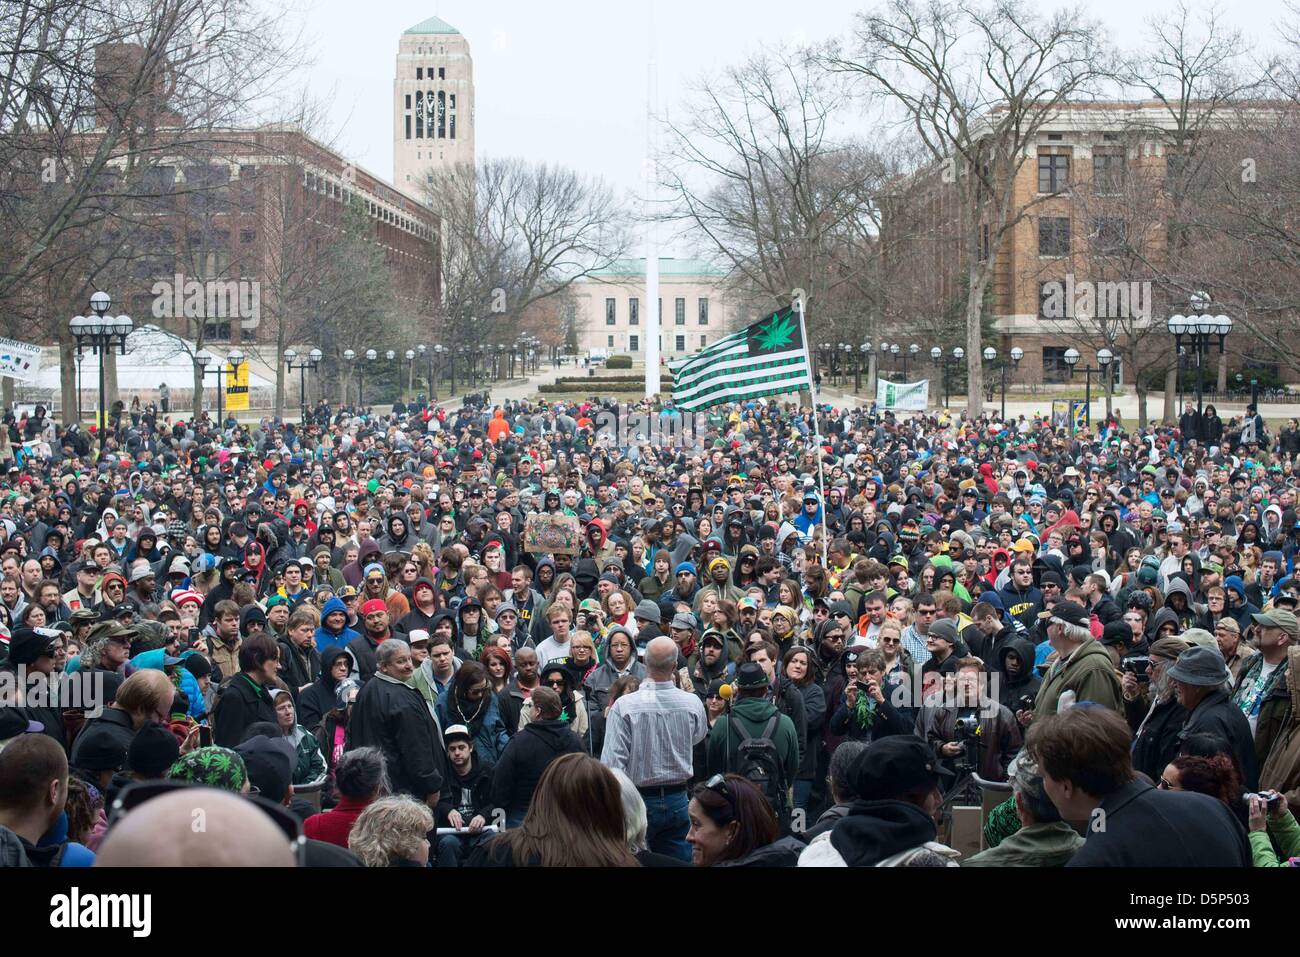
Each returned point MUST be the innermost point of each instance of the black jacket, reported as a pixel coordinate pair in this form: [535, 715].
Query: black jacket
[1145, 827]
[470, 795]
[319, 698]
[363, 653]
[394, 718]
[113, 728]
[1216, 714]
[1010, 690]
[516, 775]
[240, 702]
[296, 669]
[1158, 742]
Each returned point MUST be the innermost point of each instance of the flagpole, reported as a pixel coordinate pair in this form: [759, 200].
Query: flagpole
[817, 435]
[654, 321]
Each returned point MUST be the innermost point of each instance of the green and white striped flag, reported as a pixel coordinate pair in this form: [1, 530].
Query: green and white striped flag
[767, 358]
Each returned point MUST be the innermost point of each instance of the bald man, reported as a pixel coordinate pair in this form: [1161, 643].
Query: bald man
[196, 827]
[650, 735]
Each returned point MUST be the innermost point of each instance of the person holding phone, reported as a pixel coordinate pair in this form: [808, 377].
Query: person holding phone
[865, 713]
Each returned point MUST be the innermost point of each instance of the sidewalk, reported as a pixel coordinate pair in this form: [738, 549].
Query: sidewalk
[510, 389]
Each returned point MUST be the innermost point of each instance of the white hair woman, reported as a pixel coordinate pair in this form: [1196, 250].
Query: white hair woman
[392, 832]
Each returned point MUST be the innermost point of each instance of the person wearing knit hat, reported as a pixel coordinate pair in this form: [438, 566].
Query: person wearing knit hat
[213, 767]
[1200, 680]
[152, 751]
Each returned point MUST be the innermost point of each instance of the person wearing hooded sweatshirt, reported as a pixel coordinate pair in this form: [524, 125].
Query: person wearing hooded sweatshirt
[1015, 669]
[752, 715]
[536, 745]
[618, 658]
[367, 552]
[424, 605]
[1236, 604]
[558, 676]
[891, 823]
[334, 628]
[1178, 599]
[397, 534]
[319, 697]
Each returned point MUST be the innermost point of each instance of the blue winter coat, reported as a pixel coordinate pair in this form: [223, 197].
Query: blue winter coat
[325, 637]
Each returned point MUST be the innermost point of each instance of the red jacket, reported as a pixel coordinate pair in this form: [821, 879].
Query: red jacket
[335, 825]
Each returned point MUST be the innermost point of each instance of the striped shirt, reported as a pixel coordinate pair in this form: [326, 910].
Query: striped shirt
[650, 734]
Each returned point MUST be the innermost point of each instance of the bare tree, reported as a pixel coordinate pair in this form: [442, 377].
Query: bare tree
[974, 85]
[514, 234]
[782, 199]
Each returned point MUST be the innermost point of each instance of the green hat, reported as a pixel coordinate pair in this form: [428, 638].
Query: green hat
[211, 766]
[373, 486]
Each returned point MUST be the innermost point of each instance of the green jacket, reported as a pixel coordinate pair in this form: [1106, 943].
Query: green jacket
[1039, 845]
[420, 682]
[310, 767]
[753, 714]
[1287, 834]
[1089, 673]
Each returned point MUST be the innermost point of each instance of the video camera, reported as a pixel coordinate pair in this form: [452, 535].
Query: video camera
[1138, 666]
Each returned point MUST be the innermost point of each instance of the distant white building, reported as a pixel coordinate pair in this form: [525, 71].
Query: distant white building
[694, 307]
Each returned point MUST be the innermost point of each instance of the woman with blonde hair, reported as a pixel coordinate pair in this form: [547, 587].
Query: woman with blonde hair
[392, 832]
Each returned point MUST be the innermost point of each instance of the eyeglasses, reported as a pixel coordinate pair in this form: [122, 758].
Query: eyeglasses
[374, 581]
[891, 641]
[555, 682]
[1165, 785]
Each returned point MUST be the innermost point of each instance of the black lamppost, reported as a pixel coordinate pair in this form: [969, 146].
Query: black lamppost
[991, 356]
[1104, 359]
[864, 351]
[1198, 331]
[895, 350]
[311, 362]
[100, 332]
[211, 364]
[939, 359]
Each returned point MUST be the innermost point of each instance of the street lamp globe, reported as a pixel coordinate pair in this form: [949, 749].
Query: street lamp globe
[315, 355]
[235, 357]
[936, 353]
[371, 355]
[1176, 324]
[1105, 357]
[410, 354]
[959, 353]
[99, 303]
[990, 353]
[1199, 300]
[1071, 357]
[913, 348]
[1207, 325]
[204, 358]
[865, 347]
[77, 326]
[390, 355]
[1017, 353]
[349, 355]
[290, 355]
[421, 349]
[1225, 324]
[893, 349]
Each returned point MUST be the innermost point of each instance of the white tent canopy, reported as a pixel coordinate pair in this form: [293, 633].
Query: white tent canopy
[153, 356]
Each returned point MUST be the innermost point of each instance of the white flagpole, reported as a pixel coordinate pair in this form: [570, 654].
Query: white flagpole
[651, 310]
[817, 435]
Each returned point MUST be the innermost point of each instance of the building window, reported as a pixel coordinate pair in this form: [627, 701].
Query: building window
[680, 312]
[419, 114]
[246, 236]
[611, 341]
[633, 343]
[704, 311]
[1055, 368]
[442, 73]
[419, 73]
[1053, 172]
[704, 341]
[1109, 235]
[634, 312]
[1053, 236]
[681, 343]
[610, 312]
[1108, 172]
[442, 115]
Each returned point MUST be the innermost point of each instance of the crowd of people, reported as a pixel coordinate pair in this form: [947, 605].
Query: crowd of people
[343, 638]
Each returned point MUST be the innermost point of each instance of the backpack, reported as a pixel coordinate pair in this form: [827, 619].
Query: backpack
[760, 763]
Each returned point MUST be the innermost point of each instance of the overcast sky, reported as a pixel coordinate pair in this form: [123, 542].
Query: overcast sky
[565, 81]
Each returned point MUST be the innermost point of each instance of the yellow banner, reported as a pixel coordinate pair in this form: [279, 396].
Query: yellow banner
[237, 387]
